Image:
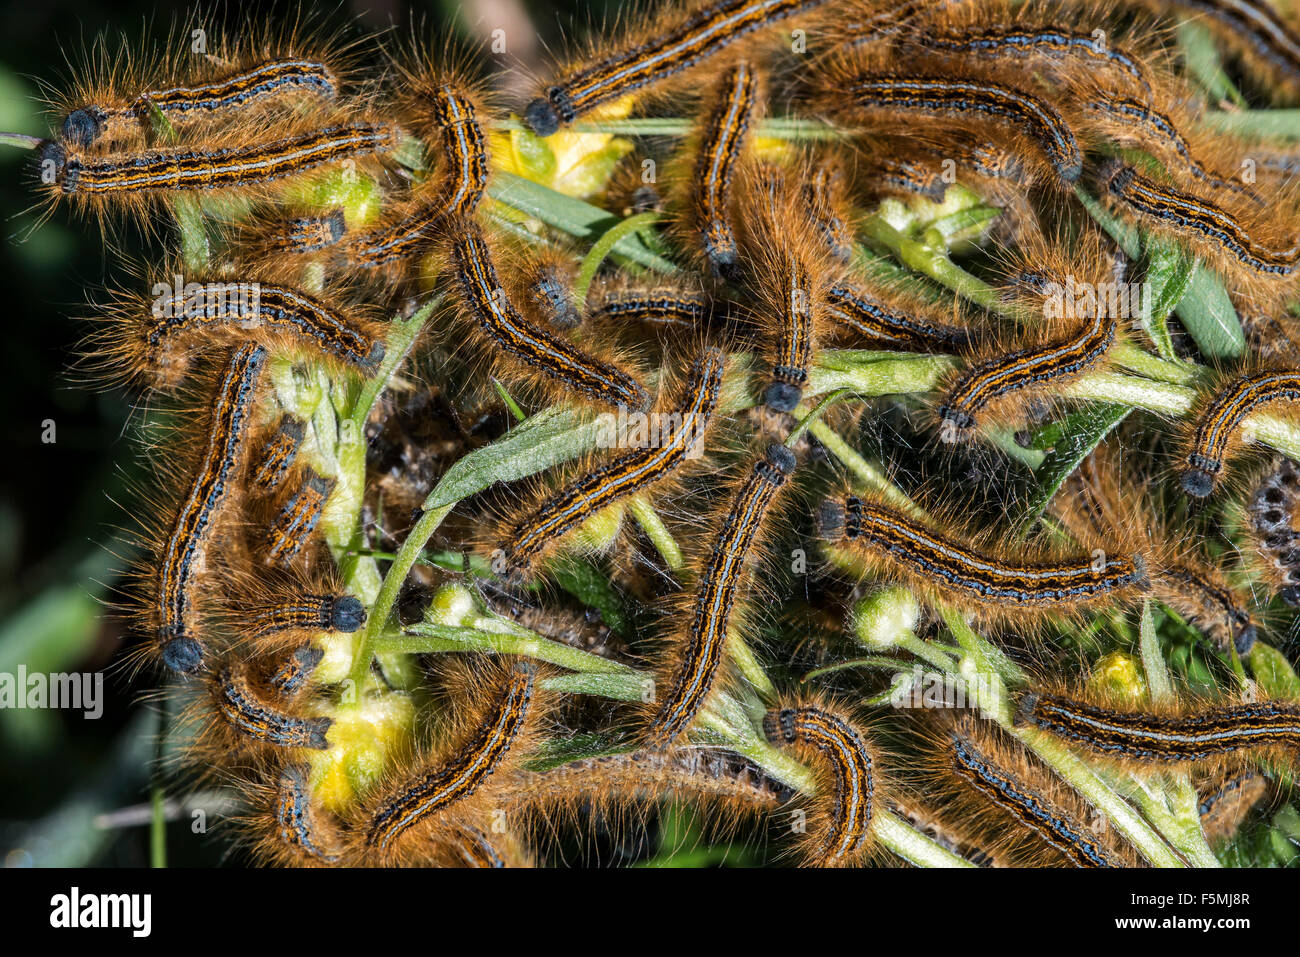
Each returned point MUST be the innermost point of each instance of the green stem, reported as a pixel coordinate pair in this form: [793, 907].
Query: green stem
[20, 140]
[388, 592]
[935, 264]
[657, 532]
[926, 652]
[775, 128]
[808, 418]
[602, 248]
[867, 661]
[158, 827]
[1084, 780]
[911, 845]
[429, 638]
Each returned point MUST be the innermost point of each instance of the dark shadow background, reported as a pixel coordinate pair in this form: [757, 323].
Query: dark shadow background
[58, 515]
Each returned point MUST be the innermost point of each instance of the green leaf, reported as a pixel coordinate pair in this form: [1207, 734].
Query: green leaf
[1266, 124]
[1168, 275]
[587, 583]
[549, 438]
[573, 216]
[1273, 672]
[1081, 432]
[1201, 56]
[1209, 316]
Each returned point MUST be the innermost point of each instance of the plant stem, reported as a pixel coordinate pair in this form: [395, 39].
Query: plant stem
[428, 638]
[657, 532]
[388, 592]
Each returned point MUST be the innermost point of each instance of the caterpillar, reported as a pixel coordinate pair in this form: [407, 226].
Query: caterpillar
[720, 148]
[1146, 738]
[1002, 42]
[256, 719]
[936, 95]
[449, 197]
[278, 453]
[1027, 799]
[999, 376]
[821, 193]
[702, 651]
[701, 34]
[792, 270]
[552, 294]
[868, 317]
[187, 168]
[944, 568]
[288, 617]
[298, 517]
[154, 343]
[439, 787]
[300, 825]
[529, 539]
[1098, 500]
[1217, 426]
[848, 792]
[663, 307]
[1199, 222]
[291, 677]
[1131, 121]
[1265, 41]
[243, 91]
[485, 301]
[183, 557]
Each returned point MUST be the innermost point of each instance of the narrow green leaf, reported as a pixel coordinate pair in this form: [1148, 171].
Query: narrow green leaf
[1201, 56]
[1168, 275]
[1273, 672]
[573, 216]
[1209, 316]
[1082, 431]
[1277, 124]
[549, 438]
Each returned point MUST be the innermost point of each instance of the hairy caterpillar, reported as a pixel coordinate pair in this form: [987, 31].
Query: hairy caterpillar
[439, 787]
[937, 95]
[529, 539]
[868, 316]
[297, 518]
[154, 343]
[1217, 426]
[187, 168]
[719, 150]
[1144, 738]
[945, 568]
[1011, 798]
[256, 718]
[683, 44]
[449, 197]
[277, 455]
[702, 651]
[975, 388]
[485, 301]
[847, 795]
[1211, 229]
[242, 91]
[183, 558]
[1271, 522]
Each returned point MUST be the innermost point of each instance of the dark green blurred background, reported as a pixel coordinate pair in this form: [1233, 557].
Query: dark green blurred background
[61, 773]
